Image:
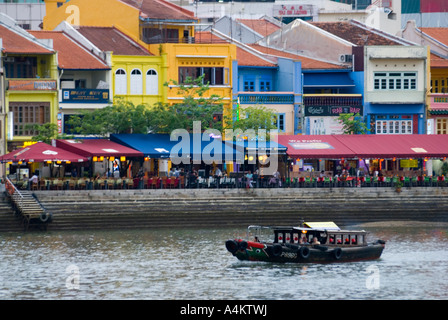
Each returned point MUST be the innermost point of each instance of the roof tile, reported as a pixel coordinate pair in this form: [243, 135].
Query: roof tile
[71, 55]
[261, 26]
[111, 39]
[161, 10]
[440, 34]
[354, 34]
[13, 42]
[307, 63]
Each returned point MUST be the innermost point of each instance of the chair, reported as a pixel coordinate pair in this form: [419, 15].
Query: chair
[57, 184]
[71, 184]
[164, 183]
[407, 182]
[327, 182]
[118, 183]
[307, 182]
[435, 181]
[181, 182]
[368, 181]
[129, 183]
[153, 183]
[81, 184]
[44, 184]
[145, 183]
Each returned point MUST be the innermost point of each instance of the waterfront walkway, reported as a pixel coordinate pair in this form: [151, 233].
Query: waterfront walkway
[235, 181]
[161, 208]
[236, 207]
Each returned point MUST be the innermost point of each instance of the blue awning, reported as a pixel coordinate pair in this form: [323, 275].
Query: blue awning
[161, 146]
[151, 145]
[327, 80]
[268, 147]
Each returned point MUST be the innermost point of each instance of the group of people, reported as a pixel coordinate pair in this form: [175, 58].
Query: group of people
[304, 240]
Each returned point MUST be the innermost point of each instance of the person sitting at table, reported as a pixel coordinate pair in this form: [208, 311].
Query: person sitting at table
[276, 179]
[249, 179]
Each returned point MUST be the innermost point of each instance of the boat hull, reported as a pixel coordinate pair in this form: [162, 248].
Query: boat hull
[294, 253]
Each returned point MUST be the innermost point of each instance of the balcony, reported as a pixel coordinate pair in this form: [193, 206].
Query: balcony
[438, 103]
[266, 98]
[332, 105]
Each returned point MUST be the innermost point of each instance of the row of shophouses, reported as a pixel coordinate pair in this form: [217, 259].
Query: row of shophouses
[91, 53]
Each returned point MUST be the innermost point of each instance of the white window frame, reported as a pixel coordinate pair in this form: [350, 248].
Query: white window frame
[384, 80]
[136, 81]
[152, 82]
[395, 126]
[121, 82]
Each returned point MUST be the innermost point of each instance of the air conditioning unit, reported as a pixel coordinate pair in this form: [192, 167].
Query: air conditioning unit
[345, 58]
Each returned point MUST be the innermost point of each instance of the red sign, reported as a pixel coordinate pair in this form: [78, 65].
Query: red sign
[32, 84]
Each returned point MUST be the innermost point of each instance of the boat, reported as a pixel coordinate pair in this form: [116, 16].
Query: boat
[311, 242]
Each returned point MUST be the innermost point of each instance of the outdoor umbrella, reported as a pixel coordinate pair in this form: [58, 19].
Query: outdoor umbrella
[42, 152]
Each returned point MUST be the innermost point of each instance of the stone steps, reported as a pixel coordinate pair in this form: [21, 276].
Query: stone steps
[112, 209]
[9, 222]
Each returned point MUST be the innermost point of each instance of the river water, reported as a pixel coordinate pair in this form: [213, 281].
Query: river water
[193, 264]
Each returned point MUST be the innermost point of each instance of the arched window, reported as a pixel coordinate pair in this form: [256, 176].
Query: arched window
[121, 86]
[152, 82]
[136, 82]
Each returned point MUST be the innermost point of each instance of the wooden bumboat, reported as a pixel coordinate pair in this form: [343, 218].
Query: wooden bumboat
[312, 242]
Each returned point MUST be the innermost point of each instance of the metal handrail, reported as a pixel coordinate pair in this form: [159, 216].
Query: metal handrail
[14, 193]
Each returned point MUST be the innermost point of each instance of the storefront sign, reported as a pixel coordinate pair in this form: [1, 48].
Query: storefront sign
[85, 95]
[292, 10]
[32, 85]
[409, 163]
[331, 110]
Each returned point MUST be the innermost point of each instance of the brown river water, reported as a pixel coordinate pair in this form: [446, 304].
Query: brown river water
[193, 264]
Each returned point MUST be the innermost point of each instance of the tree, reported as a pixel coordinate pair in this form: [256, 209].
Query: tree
[195, 106]
[121, 117]
[352, 123]
[251, 118]
[44, 132]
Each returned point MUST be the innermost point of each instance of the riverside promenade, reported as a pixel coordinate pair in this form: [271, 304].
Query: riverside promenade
[216, 208]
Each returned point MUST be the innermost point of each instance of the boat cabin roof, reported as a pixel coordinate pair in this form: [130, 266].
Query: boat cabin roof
[328, 227]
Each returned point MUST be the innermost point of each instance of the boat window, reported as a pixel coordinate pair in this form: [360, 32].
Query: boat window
[295, 238]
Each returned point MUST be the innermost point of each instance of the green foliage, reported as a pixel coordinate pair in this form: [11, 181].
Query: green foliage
[445, 168]
[125, 117]
[251, 118]
[122, 117]
[352, 123]
[45, 132]
[164, 118]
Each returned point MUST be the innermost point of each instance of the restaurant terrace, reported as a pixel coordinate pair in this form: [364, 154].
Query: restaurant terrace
[144, 162]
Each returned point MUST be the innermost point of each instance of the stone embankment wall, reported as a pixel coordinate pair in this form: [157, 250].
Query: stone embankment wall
[122, 209]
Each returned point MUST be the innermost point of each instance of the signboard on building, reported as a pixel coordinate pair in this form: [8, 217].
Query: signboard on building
[292, 10]
[85, 95]
[19, 85]
[329, 111]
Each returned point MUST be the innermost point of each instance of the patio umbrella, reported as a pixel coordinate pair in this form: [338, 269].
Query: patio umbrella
[42, 152]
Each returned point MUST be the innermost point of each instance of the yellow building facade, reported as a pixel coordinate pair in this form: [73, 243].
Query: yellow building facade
[167, 32]
[137, 79]
[31, 95]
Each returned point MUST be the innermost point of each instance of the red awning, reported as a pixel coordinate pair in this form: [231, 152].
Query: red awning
[98, 147]
[397, 146]
[42, 152]
[365, 146]
[315, 147]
